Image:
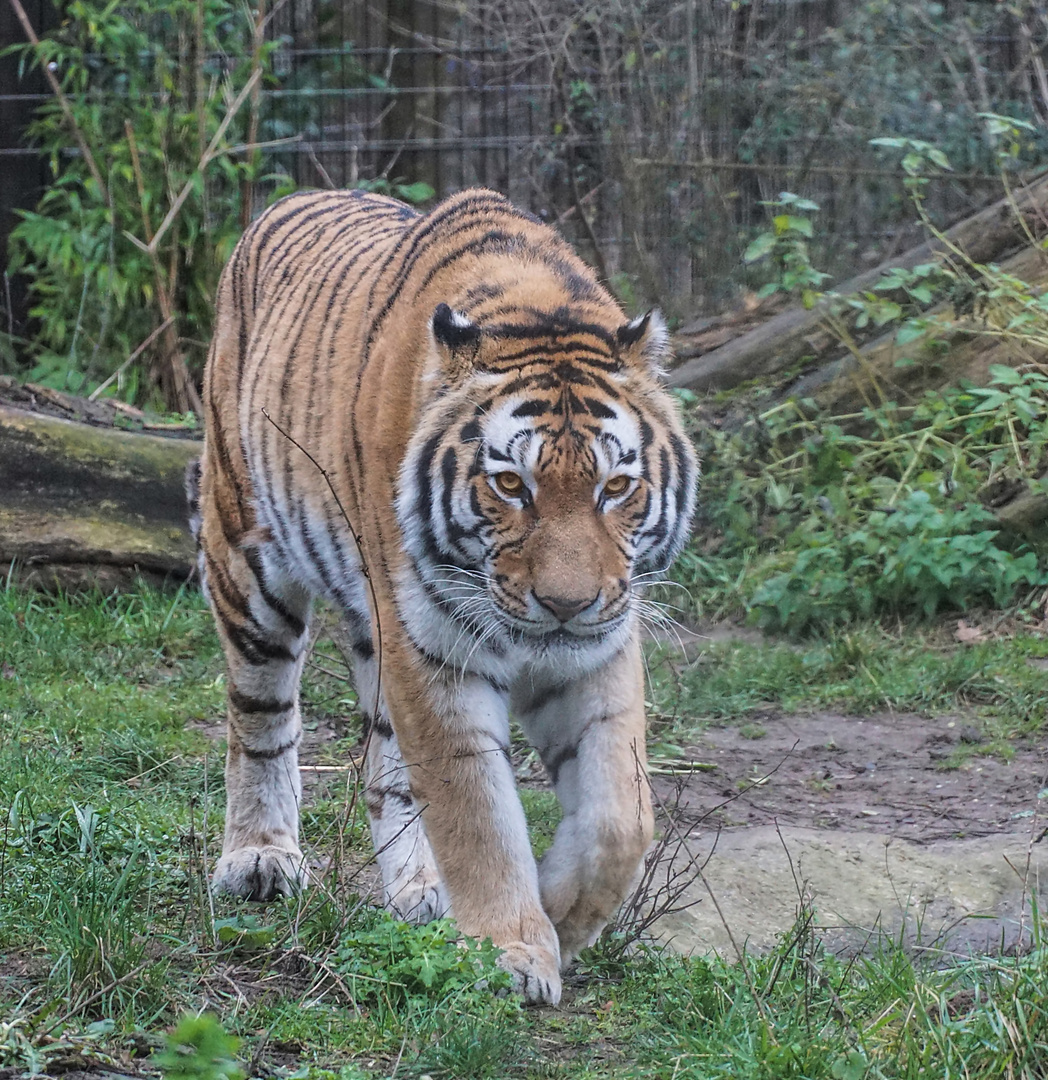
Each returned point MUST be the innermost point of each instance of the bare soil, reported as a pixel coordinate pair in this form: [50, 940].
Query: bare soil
[897, 774]
[882, 825]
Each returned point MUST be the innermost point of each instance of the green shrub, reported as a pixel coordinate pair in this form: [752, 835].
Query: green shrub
[199, 1049]
[149, 84]
[804, 521]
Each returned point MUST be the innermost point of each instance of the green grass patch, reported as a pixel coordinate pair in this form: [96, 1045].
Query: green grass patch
[867, 669]
[111, 802]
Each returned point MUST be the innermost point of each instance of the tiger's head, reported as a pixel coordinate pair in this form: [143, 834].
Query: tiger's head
[550, 477]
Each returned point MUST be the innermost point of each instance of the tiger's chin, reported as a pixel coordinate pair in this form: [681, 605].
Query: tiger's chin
[580, 642]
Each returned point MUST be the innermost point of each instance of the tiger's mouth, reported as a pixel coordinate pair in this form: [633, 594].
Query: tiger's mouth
[565, 635]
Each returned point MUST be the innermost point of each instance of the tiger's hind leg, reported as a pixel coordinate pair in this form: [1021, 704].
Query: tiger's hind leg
[262, 622]
[411, 885]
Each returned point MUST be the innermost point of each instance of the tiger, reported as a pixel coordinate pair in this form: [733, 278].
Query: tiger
[444, 425]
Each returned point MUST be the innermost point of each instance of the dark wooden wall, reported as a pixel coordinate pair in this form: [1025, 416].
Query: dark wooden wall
[23, 173]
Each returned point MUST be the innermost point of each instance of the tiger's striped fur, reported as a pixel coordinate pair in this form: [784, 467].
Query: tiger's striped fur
[461, 386]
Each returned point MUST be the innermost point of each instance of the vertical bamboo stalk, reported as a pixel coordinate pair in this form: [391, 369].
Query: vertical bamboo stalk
[170, 371]
[247, 180]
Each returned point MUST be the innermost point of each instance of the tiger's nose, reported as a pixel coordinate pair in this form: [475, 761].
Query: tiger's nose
[564, 607]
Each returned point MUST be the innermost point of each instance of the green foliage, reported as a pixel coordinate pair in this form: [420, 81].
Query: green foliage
[914, 555]
[199, 1049]
[787, 245]
[821, 520]
[816, 524]
[150, 86]
[388, 960]
[475, 1047]
[166, 95]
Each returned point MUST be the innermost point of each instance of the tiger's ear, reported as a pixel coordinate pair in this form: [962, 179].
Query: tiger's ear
[646, 339]
[457, 339]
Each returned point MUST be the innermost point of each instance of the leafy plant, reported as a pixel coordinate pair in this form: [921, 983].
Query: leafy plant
[911, 556]
[806, 521]
[786, 244]
[199, 1049]
[124, 250]
[126, 245]
[395, 961]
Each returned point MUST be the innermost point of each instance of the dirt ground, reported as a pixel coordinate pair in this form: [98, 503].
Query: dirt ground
[886, 773]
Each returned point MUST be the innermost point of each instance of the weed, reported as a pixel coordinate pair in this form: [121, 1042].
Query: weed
[199, 1049]
[384, 959]
[808, 524]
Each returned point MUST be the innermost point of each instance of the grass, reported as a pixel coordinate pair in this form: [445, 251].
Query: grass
[111, 795]
[1000, 682]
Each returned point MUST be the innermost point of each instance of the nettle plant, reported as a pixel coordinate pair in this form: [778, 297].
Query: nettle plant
[814, 520]
[785, 245]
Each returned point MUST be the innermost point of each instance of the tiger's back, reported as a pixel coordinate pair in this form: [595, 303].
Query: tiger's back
[445, 425]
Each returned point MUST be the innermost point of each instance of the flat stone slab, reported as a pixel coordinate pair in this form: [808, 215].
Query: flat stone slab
[965, 896]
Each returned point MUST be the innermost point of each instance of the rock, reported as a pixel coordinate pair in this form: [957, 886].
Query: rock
[959, 895]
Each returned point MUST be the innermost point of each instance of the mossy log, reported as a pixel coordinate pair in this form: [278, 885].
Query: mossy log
[86, 505]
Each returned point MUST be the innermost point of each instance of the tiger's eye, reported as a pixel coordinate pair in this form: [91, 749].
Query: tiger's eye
[509, 483]
[617, 485]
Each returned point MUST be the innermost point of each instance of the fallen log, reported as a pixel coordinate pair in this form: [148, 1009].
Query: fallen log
[83, 504]
[784, 339]
[965, 348]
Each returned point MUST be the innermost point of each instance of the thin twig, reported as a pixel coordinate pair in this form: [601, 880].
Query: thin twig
[358, 542]
[209, 153]
[93, 396]
[693, 861]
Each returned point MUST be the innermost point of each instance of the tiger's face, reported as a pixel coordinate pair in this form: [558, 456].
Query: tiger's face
[544, 488]
[560, 482]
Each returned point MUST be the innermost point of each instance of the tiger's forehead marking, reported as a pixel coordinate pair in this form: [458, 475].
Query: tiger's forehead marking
[539, 430]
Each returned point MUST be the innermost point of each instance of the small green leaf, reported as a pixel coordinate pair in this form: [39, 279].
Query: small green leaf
[758, 248]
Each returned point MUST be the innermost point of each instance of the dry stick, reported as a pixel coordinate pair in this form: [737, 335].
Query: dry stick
[93, 396]
[363, 569]
[210, 898]
[247, 195]
[357, 540]
[63, 101]
[1025, 875]
[693, 861]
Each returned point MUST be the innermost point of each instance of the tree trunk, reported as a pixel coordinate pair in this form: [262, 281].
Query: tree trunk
[91, 505]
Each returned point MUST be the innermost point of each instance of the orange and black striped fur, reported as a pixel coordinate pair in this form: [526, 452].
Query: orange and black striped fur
[494, 429]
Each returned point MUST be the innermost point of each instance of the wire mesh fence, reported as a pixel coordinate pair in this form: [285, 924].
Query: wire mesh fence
[653, 131]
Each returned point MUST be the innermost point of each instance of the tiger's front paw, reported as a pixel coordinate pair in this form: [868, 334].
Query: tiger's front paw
[260, 873]
[421, 899]
[535, 972]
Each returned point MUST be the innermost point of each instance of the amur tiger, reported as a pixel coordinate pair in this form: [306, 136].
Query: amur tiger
[444, 425]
